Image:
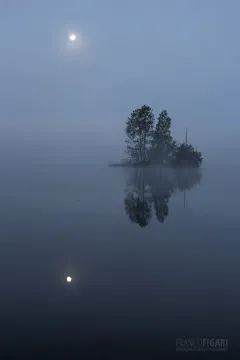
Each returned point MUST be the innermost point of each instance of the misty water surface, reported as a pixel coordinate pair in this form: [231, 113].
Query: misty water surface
[153, 255]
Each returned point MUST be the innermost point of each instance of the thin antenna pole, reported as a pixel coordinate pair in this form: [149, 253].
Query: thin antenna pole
[186, 137]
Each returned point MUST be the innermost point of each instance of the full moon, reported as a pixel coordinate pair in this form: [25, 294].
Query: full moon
[72, 37]
[69, 279]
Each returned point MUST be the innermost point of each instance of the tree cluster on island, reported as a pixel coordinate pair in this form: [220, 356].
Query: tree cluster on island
[151, 143]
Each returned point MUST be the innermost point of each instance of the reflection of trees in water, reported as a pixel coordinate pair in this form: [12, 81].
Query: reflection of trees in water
[161, 207]
[187, 179]
[162, 187]
[138, 202]
[151, 188]
[139, 211]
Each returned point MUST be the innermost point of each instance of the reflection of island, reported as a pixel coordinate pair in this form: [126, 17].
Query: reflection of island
[151, 189]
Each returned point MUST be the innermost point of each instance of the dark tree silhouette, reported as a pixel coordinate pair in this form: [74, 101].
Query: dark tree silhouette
[152, 144]
[139, 127]
[162, 140]
[186, 155]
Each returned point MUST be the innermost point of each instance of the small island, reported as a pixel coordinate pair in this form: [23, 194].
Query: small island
[151, 143]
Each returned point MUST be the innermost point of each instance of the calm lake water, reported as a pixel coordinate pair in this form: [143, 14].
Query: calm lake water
[153, 256]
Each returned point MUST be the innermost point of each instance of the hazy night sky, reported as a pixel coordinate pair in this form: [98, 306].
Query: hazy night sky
[183, 56]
